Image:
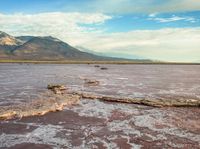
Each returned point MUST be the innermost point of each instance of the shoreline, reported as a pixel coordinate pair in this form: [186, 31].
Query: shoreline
[96, 62]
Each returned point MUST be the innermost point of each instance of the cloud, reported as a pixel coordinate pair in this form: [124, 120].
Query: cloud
[142, 6]
[173, 44]
[101, 6]
[65, 26]
[171, 19]
[165, 44]
[152, 15]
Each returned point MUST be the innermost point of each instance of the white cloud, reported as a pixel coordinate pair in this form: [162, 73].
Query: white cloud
[143, 6]
[164, 44]
[171, 19]
[152, 15]
[65, 26]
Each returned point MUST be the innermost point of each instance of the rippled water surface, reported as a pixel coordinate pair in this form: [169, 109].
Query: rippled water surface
[22, 83]
[94, 124]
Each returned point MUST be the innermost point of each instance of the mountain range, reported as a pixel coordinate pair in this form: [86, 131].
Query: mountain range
[43, 48]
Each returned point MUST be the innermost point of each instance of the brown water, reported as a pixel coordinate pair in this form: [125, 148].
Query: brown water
[96, 124]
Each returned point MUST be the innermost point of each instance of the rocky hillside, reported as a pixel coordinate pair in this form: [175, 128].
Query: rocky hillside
[40, 48]
[44, 48]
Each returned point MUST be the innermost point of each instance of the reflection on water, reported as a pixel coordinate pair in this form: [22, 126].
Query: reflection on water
[23, 83]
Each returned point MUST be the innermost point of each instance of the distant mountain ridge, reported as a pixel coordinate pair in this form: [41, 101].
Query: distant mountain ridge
[7, 40]
[113, 55]
[43, 48]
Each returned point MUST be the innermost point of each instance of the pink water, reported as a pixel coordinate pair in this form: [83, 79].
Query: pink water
[93, 124]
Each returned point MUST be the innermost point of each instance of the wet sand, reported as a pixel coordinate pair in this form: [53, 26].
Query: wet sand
[97, 123]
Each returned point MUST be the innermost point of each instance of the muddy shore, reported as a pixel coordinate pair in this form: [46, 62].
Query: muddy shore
[137, 107]
[97, 124]
[93, 121]
[56, 101]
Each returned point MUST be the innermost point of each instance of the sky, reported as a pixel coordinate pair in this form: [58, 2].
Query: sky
[163, 30]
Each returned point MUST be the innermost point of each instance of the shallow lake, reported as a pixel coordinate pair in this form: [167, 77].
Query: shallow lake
[97, 124]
